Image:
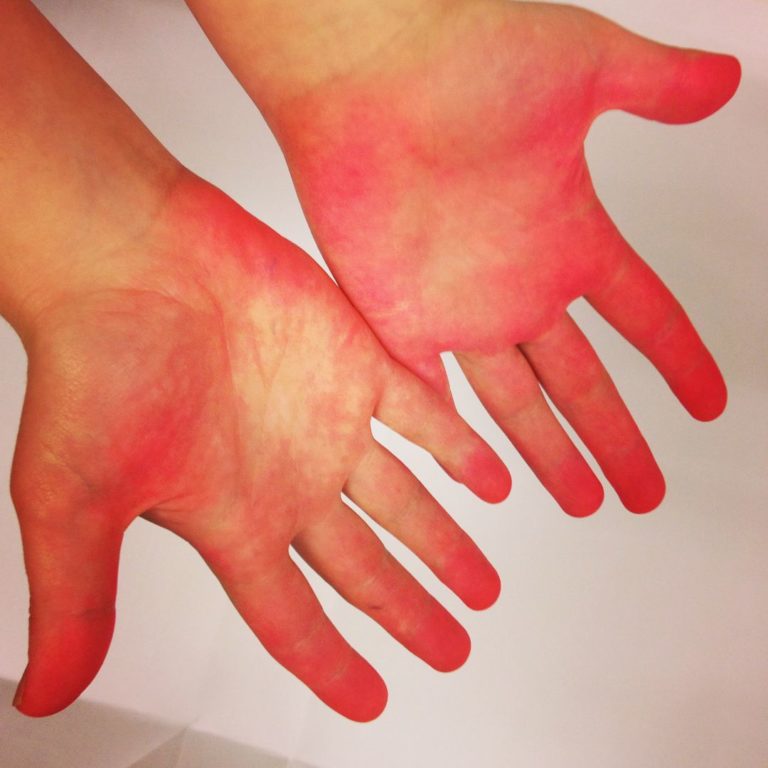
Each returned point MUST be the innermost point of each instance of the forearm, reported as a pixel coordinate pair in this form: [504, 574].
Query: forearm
[81, 174]
[280, 49]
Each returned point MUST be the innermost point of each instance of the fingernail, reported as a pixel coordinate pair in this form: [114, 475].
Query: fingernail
[18, 698]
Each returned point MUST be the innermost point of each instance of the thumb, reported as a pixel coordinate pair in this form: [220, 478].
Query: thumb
[660, 82]
[72, 571]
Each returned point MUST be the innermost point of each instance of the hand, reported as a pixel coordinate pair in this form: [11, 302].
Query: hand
[211, 379]
[445, 180]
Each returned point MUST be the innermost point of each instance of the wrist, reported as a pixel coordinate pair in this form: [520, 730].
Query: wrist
[281, 50]
[82, 176]
[93, 239]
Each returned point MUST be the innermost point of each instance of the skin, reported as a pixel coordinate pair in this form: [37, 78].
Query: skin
[190, 366]
[438, 152]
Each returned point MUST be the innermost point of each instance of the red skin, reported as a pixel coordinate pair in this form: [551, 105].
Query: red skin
[222, 387]
[445, 182]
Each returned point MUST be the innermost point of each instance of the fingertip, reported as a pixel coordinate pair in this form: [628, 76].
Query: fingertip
[454, 653]
[441, 641]
[482, 596]
[37, 703]
[722, 73]
[37, 709]
[636, 478]
[709, 399]
[472, 578]
[374, 708]
[587, 503]
[672, 85]
[646, 498]
[18, 698]
[63, 664]
[359, 694]
[486, 475]
[367, 695]
[732, 72]
[706, 82]
[583, 493]
[700, 387]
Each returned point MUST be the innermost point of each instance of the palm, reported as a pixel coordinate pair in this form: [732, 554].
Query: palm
[450, 195]
[234, 410]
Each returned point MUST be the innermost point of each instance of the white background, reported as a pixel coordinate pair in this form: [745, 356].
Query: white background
[618, 640]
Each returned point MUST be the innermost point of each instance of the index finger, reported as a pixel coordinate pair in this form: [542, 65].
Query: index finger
[637, 303]
[419, 414]
[278, 604]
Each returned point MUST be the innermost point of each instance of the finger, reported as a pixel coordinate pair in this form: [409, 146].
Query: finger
[72, 570]
[383, 487]
[510, 391]
[636, 302]
[419, 414]
[581, 389]
[350, 557]
[432, 372]
[661, 82]
[278, 604]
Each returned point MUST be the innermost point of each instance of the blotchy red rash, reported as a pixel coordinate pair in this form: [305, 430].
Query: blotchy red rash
[449, 192]
[225, 394]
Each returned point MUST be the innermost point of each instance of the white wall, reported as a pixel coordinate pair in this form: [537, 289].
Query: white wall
[619, 640]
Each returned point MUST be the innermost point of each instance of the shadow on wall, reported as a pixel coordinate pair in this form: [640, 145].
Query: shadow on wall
[99, 736]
